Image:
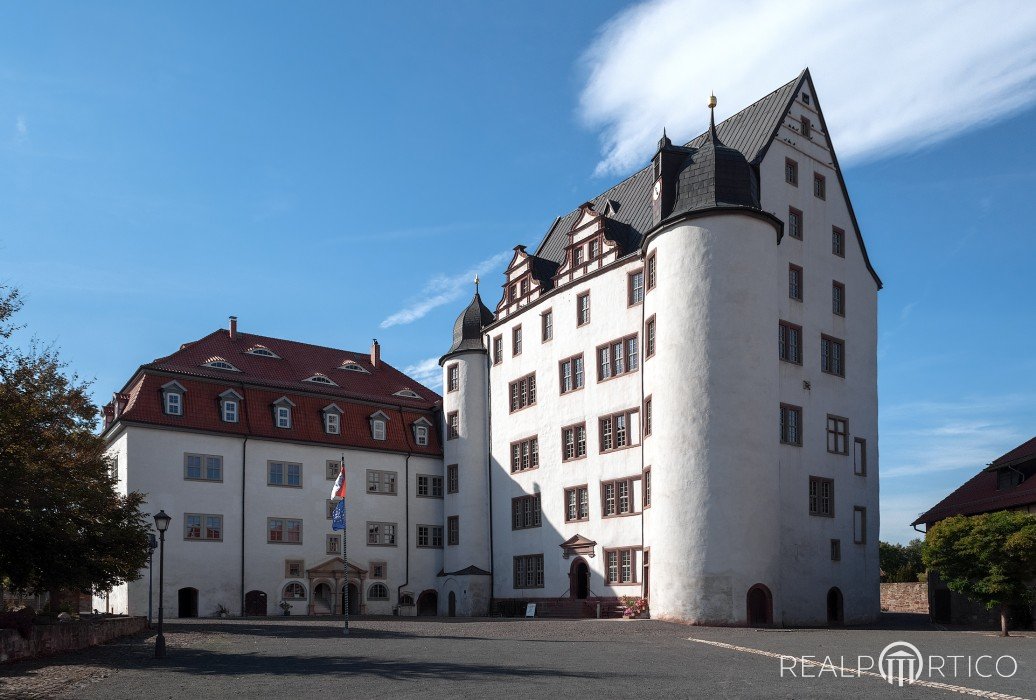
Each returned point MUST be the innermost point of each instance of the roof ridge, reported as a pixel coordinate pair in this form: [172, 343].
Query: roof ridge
[293, 342]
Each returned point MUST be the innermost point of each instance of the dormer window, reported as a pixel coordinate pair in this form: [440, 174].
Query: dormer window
[319, 378]
[332, 419]
[577, 256]
[172, 398]
[1007, 478]
[220, 363]
[230, 406]
[421, 428]
[282, 412]
[407, 394]
[351, 366]
[262, 351]
[595, 249]
[379, 423]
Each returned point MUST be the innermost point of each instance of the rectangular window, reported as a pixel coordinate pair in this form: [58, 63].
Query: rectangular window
[203, 467]
[838, 241]
[619, 430]
[528, 571]
[452, 479]
[635, 288]
[570, 374]
[523, 392]
[333, 544]
[836, 550]
[525, 286]
[860, 457]
[807, 127]
[583, 309]
[594, 247]
[647, 416]
[203, 526]
[333, 468]
[429, 536]
[617, 497]
[453, 377]
[618, 566]
[832, 355]
[525, 455]
[284, 474]
[452, 426]
[526, 512]
[577, 256]
[795, 223]
[498, 349]
[795, 282]
[284, 530]
[859, 525]
[421, 435]
[573, 442]
[516, 340]
[453, 530]
[791, 424]
[429, 486]
[332, 424]
[646, 486]
[652, 271]
[649, 337]
[821, 497]
[329, 507]
[819, 186]
[173, 403]
[379, 481]
[838, 298]
[577, 504]
[379, 569]
[547, 325]
[283, 416]
[789, 342]
[383, 534]
[294, 568]
[618, 357]
[791, 172]
[837, 435]
[230, 411]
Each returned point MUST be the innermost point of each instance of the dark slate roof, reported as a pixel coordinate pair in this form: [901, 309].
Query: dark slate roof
[467, 330]
[749, 132]
[715, 175]
[980, 493]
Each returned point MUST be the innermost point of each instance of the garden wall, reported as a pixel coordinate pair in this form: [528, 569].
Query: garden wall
[65, 636]
[904, 597]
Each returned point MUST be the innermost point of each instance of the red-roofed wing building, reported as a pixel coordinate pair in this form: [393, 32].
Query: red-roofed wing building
[1008, 483]
[239, 438]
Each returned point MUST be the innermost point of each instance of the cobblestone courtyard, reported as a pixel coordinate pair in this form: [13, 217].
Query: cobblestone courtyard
[309, 658]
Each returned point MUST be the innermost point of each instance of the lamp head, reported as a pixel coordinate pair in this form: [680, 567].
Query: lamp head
[162, 521]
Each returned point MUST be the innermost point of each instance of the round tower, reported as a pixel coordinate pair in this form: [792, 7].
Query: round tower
[467, 564]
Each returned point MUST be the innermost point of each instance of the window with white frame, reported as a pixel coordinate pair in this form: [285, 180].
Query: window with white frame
[429, 536]
[203, 526]
[294, 591]
[429, 486]
[379, 481]
[284, 474]
[203, 467]
[284, 531]
[172, 395]
[230, 407]
[378, 591]
[378, 426]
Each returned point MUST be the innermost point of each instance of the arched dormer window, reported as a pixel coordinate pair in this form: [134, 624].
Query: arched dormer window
[319, 378]
[332, 419]
[262, 351]
[422, 428]
[294, 591]
[230, 406]
[282, 412]
[172, 398]
[352, 366]
[407, 394]
[219, 363]
[379, 424]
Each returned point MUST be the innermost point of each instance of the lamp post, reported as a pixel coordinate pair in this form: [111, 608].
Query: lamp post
[152, 545]
[161, 524]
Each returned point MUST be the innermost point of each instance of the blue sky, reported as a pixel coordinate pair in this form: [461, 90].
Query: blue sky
[323, 171]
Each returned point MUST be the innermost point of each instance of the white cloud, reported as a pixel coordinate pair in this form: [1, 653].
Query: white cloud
[426, 372]
[21, 128]
[443, 289]
[891, 76]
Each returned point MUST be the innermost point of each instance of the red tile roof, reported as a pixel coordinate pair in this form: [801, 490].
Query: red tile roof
[980, 493]
[263, 380]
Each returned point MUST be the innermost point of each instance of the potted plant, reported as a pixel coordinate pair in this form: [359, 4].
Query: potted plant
[286, 607]
[222, 611]
[634, 607]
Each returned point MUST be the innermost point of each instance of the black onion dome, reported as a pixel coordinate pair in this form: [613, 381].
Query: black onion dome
[716, 176]
[467, 330]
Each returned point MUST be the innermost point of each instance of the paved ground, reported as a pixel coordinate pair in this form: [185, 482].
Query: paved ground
[304, 658]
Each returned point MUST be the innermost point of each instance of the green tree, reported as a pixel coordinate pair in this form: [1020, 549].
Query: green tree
[64, 525]
[989, 558]
[900, 563]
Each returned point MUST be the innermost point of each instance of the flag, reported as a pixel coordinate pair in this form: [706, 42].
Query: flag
[338, 490]
[338, 516]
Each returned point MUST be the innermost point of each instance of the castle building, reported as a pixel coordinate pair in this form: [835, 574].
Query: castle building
[621, 423]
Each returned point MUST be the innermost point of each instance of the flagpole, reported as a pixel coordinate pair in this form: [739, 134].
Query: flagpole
[345, 563]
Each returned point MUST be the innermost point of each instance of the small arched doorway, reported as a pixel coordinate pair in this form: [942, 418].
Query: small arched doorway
[354, 598]
[834, 606]
[255, 603]
[452, 603]
[322, 599]
[579, 579]
[428, 604]
[760, 605]
[187, 600]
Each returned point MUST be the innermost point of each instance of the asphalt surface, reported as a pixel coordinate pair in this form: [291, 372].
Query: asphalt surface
[422, 658]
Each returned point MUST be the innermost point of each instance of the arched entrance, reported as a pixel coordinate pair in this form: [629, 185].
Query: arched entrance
[187, 599]
[428, 604]
[760, 605]
[579, 579]
[323, 598]
[255, 603]
[452, 602]
[834, 606]
[354, 599]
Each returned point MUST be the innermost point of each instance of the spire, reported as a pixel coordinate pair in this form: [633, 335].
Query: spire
[664, 142]
[476, 284]
[712, 118]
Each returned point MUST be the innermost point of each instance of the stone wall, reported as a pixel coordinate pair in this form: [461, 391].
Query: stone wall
[67, 636]
[904, 597]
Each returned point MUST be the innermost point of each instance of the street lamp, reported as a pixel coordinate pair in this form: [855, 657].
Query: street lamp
[161, 524]
[152, 545]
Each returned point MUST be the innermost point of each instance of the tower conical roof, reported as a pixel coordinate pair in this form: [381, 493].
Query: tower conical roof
[467, 329]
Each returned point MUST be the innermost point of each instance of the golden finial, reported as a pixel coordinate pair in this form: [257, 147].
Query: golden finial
[712, 101]
[476, 283]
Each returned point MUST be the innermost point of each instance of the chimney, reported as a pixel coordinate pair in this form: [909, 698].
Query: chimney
[375, 353]
[233, 327]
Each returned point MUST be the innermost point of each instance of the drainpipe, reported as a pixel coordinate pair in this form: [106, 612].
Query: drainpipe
[406, 520]
[244, 454]
[489, 466]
